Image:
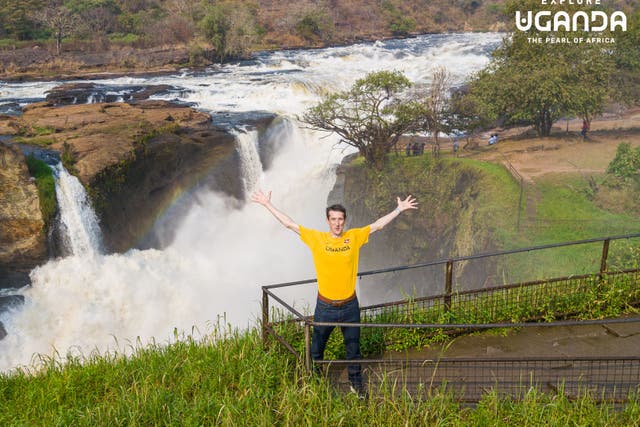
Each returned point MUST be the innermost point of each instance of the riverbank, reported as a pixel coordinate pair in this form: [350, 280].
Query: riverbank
[173, 37]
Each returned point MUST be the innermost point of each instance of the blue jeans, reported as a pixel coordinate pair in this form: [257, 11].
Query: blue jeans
[348, 313]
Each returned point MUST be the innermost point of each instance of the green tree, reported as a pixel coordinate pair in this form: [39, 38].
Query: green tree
[464, 113]
[231, 28]
[16, 20]
[626, 163]
[370, 116]
[399, 23]
[315, 24]
[626, 77]
[538, 83]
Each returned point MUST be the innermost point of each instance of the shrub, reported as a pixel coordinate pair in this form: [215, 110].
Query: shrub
[46, 187]
[399, 23]
[173, 29]
[626, 163]
[126, 39]
[315, 25]
[69, 158]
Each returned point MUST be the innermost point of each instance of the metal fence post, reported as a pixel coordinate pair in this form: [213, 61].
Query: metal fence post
[265, 315]
[448, 287]
[605, 254]
[307, 346]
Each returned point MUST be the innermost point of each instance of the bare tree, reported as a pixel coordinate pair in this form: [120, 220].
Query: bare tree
[99, 21]
[436, 102]
[186, 8]
[60, 20]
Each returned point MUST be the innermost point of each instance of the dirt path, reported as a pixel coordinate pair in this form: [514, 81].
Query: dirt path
[565, 151]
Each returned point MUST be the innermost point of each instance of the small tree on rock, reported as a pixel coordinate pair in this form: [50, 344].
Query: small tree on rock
[370, 116]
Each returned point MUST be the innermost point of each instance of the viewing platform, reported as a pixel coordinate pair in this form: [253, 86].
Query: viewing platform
[573, 334]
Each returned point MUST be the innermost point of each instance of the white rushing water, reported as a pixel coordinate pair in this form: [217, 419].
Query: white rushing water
[78, 223]
[222, 252]
[247, 146]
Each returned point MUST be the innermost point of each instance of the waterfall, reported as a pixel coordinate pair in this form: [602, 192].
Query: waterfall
[223, 251]
[78, 222]
[247, 146]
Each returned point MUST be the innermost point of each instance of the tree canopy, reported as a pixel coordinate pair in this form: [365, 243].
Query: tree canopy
[231, 29]
[370, 116]
[533, 80]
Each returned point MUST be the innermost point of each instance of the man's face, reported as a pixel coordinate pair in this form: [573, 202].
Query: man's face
[336, 223]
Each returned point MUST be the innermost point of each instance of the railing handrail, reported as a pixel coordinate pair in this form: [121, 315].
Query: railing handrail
[466, 258]
[556, 323]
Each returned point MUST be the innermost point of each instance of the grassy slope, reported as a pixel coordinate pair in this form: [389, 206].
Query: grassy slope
[565, 211]
[469, 206]
[232, 381]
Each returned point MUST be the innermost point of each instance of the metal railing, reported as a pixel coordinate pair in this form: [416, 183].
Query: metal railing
[610, 377]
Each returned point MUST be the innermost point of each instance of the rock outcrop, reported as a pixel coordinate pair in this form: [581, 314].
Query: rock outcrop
[83, 93]
[22, 234]
[135, 159]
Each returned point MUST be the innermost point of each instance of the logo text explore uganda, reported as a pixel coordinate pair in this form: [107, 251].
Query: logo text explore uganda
[570, 22]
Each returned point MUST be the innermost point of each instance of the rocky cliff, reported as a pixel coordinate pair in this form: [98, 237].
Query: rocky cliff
[454, 219]
[22, 234]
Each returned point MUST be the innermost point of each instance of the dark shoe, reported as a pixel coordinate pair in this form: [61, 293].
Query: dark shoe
[359, 391]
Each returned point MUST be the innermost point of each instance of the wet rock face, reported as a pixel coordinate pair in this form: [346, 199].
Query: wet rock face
[83, 93]
[22, 236]
[129, 196]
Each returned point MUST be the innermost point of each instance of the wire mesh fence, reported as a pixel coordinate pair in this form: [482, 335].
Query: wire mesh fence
[604, 379]
[431, 316]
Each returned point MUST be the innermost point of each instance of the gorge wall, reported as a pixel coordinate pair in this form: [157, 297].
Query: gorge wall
[454, 219]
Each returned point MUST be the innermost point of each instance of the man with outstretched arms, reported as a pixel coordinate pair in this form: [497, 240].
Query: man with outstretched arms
[335, 257]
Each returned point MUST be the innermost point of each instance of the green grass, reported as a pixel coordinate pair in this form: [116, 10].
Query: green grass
[41, 141]
[229, 379]
[125, 39]
[46, 187]
[569, 214]
[564, 212]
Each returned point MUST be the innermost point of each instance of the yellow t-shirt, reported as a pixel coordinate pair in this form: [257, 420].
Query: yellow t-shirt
[336, 259]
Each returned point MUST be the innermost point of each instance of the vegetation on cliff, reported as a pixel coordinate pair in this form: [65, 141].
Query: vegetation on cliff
[46, 188]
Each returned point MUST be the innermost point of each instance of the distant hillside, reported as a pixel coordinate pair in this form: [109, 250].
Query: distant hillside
[351, 20]
[163, 35]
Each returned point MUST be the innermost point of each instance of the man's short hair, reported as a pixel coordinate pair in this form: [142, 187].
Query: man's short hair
[337, 208]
